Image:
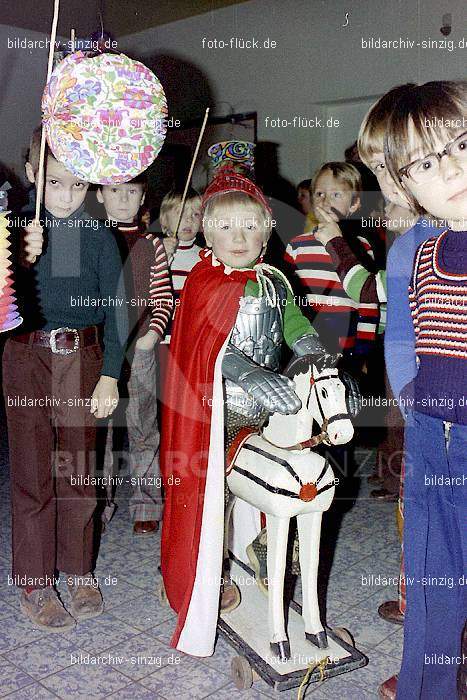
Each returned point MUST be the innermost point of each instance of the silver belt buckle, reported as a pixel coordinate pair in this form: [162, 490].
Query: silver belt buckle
[53, 341]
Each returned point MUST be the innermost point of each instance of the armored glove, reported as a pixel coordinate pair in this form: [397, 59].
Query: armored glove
[273, 391]
[310, 345]
[353, 394]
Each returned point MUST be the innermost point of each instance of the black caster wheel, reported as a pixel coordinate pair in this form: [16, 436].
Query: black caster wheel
[242, 673]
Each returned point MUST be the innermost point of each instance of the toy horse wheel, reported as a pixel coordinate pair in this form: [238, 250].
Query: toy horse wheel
[242, 673]
[162, 595]
[345, 635]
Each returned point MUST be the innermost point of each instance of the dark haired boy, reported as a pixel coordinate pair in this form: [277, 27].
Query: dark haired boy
[56, 361]
[147, 283]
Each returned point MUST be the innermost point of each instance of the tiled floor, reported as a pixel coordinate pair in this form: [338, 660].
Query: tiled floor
[131, 639]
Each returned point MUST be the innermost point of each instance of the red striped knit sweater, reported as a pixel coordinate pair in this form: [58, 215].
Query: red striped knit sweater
[160, 290]
[354, 322]
[159, 296]
[438, 302]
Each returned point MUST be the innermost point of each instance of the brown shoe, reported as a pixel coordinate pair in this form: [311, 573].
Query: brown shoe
[45, 610]
[384, 495]
[86, 598]
[145, 527]
[388, 689]
[374, 480]
[390, 612]
[230, 596]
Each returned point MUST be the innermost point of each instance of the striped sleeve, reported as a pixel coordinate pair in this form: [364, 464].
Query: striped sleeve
[289, 255]
[160, 290]
[368, 314]
[367, 324]
[359, 283]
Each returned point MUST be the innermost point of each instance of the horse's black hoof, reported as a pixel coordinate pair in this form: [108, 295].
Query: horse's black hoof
[320, 640]
[281, 649]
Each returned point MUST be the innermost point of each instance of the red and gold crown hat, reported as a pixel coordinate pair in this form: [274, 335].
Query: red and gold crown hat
[228, 180]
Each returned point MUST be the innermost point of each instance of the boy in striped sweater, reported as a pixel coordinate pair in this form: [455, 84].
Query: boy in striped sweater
[367, 285]
[426, 152]
[407, 231]
[346, 325]
[150, 305]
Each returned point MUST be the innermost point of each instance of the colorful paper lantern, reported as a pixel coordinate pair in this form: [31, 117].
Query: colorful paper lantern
[104, 116]
[9, 316]
[239, 154]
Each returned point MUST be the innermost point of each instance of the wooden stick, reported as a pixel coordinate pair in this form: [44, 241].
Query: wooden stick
[40, 171]
[187, 184]
[72, 40]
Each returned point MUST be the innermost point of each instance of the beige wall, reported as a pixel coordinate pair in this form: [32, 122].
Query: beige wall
[318, 68]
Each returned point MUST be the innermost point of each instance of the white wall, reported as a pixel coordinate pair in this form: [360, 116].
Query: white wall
[316, 69]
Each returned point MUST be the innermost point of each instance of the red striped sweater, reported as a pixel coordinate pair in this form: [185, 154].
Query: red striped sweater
[353, 323]
[438, 302]
[159, 297]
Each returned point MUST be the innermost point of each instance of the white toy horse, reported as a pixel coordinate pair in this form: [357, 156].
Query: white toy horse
[277, 472]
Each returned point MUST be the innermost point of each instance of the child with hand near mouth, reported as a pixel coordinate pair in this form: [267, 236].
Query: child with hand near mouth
[347, 325]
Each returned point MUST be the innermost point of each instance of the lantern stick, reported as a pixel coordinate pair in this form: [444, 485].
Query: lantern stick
[72, 40]
[40, 171]
[187, 184]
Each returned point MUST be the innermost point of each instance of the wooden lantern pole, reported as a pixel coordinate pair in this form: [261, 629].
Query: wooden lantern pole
[40, 171]
[190, 173]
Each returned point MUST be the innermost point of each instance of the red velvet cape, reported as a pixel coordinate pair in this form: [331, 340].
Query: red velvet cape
[208, 309]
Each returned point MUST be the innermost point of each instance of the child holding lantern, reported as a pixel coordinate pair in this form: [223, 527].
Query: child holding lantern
[56, 359]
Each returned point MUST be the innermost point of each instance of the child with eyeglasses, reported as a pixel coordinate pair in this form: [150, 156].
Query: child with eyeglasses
[426, 153]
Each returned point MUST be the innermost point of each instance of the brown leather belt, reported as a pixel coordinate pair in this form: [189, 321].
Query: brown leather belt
[62, 341]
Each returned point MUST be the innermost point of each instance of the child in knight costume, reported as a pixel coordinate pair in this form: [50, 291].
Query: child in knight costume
[223, 375]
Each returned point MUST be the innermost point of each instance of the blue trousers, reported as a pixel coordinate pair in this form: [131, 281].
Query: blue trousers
[435, 558]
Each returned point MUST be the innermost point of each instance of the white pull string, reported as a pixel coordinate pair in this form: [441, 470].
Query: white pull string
[266, 285]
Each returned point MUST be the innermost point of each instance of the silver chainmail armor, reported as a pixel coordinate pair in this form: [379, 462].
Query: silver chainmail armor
[258, 335]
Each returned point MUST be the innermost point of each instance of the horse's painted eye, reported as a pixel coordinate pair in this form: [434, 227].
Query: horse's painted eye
[324, 393]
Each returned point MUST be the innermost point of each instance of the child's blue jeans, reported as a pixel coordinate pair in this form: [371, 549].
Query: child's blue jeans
[435, 557]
